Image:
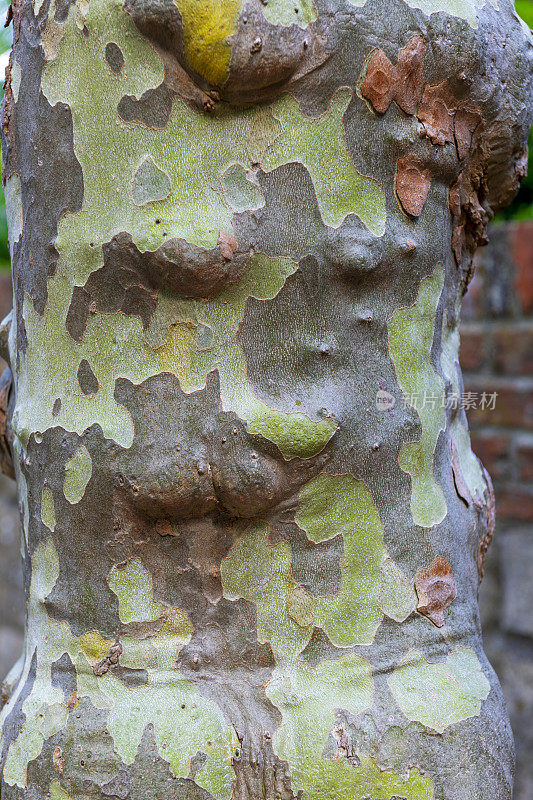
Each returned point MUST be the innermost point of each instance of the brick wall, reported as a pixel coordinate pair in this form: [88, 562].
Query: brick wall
[497, 356]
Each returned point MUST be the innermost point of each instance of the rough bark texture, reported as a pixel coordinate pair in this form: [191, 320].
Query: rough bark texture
[253, 522]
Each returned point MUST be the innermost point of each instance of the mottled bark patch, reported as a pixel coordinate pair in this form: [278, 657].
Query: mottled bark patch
[64, 675]
[149, 769]
[15, 716]
[490, 525]
[62, 8]
[461, 486]
[130, 279]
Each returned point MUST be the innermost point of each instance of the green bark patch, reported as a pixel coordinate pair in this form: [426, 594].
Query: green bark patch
[56, 792]
[194, 725]
[329, 779]
[78, 471]
[308, 699]
[150, 183]
[333, 504]
[397, 596]
[241, 193]
[133, 587]
[442, 694]
[260, 572]
[281, 12]
[411, 334]
[173, 635]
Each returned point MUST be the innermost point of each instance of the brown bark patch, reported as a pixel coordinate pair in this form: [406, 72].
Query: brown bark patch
[73, 701]
[413, 181]
[384, 82]
[436, 590]
[110, 660]
[468, 125]
[58, 760]
[454, 197]
[410, 74]
[228, 245]
[10, 156]
[437, 111]
[468, 206]
[378, 83]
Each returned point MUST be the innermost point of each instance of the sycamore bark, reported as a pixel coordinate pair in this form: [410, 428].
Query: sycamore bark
[253, 523]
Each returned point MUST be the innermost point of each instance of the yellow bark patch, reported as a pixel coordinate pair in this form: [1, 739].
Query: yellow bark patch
[206, 27]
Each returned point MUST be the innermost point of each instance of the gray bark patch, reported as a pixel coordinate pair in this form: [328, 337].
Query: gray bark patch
[62, 9]
[87, 379]
[152, 109]
[114, 57]
[64, 675]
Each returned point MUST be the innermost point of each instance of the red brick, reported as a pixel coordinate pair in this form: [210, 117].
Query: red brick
[524, 457]
[514, 503]
[521, 240]
[514, 402]
[472, 353]
[512, 346]
[493, 450]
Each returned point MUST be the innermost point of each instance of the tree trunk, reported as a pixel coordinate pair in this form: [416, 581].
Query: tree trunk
[253, 523]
